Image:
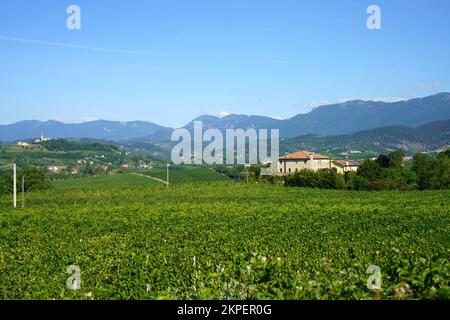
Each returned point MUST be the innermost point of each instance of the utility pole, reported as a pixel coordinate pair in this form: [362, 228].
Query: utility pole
[168, 174]
[14, 186]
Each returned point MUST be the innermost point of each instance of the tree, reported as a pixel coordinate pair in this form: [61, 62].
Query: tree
[432, 172]
[6, 183]
[370, 170]
[445, 153]
[383, 161]
[34, 180]
[396, 158]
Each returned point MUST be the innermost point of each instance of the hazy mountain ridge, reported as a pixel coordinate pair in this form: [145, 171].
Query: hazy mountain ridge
[432, 136]
[100, 129]
[336, 119]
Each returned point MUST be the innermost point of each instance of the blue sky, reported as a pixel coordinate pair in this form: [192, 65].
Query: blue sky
[171, 61]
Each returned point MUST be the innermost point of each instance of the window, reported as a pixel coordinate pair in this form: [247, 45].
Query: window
[281, 170]
[289, 170]
[296, 169]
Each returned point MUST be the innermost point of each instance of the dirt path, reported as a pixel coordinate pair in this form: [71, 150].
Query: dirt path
[150, 177]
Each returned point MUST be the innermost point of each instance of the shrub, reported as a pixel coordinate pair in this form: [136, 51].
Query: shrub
[303, 178]
[330, 179]
[356, 182]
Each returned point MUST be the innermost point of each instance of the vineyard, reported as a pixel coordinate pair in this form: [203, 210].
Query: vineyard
[177, 176]
[225, 240]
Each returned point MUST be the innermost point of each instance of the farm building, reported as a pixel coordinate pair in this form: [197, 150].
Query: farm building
[343, 166]
[56, 169]
[297, 161]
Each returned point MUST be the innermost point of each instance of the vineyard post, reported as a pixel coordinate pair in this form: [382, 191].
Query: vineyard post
[168, 174]
[14, 186]
[23, 191]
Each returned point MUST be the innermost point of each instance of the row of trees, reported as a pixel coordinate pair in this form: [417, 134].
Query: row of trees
[390, 172]
[387, 172]
[34, 180]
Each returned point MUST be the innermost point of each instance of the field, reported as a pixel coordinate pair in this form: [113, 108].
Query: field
[225, 240]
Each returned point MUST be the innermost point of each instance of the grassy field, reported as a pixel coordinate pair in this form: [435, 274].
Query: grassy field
[225, 240]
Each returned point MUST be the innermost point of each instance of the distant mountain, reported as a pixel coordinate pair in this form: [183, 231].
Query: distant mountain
[353, 116]
[429, 137]
[234, 121]
[336, 119]
[343, 118]
[100, 129]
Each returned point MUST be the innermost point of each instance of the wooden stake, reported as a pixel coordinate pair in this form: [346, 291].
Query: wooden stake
[377, 295]
[14, 186]
[168, 174]
[23, 191]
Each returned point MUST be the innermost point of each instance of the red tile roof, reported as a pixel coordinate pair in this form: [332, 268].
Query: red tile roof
[303, 155]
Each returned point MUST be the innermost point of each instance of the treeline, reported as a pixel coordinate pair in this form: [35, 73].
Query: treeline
[35, 179]
[66, 145]
[387, 172]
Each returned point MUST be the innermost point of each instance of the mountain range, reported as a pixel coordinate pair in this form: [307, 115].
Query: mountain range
[100, 129]
[432, 136]
[335, 119]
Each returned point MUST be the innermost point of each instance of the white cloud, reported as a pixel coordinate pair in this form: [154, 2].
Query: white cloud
[75, 46]
[222, 114]
[277, 117]
[388, 99]
[87, 119]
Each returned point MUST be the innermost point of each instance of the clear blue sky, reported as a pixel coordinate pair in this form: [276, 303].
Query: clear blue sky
[190, 57]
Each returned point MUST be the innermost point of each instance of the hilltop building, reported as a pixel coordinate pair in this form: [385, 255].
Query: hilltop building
[42, 138]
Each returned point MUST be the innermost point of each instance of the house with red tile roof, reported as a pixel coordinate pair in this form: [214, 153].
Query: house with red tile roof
[304, 159]
[343, 166]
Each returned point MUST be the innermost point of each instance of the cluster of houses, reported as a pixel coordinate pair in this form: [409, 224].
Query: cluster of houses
[304, 159]
[102, 168]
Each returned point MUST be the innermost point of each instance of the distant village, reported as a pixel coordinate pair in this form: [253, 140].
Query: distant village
[81, 166]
